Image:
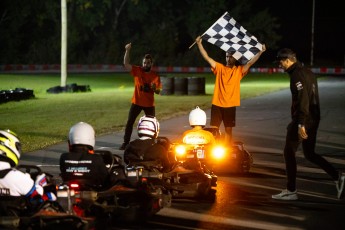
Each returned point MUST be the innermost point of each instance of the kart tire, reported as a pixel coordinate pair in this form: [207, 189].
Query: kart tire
[134, 213]
[203, 190]
[243, 167]
[248, 161]
[211, 196]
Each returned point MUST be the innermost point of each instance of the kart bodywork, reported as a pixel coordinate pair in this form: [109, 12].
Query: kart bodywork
[120, 203]
[22, 213]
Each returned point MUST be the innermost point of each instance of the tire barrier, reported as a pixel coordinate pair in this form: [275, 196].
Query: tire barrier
[196, 86]
[180, 86]
[183, 86]
[70, 88]
[167, 85]
[17, 94]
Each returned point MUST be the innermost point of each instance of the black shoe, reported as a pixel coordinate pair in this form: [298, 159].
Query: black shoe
[123, 146]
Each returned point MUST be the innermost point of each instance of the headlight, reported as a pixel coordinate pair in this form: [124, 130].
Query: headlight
[218, 152]
[180, 150]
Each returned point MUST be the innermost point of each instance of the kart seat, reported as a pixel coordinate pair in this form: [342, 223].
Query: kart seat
[214, 130]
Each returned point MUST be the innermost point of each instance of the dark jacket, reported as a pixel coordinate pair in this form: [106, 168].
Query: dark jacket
[305, 108]
[83, 165]
[146, 150]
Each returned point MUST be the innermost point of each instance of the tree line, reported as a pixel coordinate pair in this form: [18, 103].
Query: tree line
[30, 31]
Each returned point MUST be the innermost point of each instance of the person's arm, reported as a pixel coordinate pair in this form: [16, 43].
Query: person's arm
[203, 52]
[253, 60]
[156, 86]
[303, 104]
[126, 57]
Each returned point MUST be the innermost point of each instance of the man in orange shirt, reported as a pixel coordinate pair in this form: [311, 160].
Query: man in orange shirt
[226, 96]
[146, 84]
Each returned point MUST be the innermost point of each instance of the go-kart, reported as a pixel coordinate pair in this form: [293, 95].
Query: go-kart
[222, 158]
[238, 158]
[118, 203]
[216, 158]
[185, 179]
[22, 213]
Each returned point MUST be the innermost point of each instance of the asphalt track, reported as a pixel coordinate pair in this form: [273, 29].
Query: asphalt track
[244, 202]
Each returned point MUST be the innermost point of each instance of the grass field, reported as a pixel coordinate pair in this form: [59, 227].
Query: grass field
[46, 120]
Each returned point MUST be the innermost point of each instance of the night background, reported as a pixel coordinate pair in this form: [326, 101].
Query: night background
[30, 31]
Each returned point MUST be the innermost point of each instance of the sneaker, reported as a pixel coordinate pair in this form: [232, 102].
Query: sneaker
[123, 146]
[286, 195]
[340, 185]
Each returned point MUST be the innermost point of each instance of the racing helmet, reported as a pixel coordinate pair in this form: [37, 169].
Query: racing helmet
[197, 117]
[148, 126]
[10, 147]
[82, 134]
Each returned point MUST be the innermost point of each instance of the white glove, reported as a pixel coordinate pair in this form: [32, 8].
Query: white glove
[41, 180]
[39, 189]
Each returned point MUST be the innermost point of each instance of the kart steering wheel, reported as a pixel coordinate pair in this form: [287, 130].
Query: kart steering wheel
[33, 170]
[108, 158]
[164, 141]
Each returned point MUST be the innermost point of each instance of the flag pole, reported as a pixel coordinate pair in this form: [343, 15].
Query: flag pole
[192, 44]
[195, 41]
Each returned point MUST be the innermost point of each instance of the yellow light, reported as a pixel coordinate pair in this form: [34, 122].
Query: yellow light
[218, 152]
[180, 150]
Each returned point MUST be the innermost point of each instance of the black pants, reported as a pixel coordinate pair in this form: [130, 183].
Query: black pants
[134, 112]
[219, 114]
[292, 142]
[227, 115]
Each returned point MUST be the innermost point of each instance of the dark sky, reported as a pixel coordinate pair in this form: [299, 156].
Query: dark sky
[295, 17]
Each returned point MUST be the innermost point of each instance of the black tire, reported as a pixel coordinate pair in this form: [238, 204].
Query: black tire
[209, 197]
[247, 162]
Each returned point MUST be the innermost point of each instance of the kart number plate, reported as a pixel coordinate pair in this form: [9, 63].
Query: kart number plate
[132, 173]
[200, 153]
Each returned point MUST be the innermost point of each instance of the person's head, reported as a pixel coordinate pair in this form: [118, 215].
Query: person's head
[230, 60]
[285, 58]
[197, 117]
[82, 135]
[147, 62]
[10, 147]
[148, 126]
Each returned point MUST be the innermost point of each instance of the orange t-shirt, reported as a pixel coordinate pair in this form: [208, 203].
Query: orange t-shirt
[198, 136]
[227, 85]
[140, 97]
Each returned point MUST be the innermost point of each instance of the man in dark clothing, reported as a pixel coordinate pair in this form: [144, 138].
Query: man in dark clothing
[146, 147]
[81, 162]
[305, 114]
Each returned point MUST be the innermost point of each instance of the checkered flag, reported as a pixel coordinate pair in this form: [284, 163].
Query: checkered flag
[231, 37]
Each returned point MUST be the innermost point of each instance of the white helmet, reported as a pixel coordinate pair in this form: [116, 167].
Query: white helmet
[197, 117]
[148, 126]
[82, 134]
[10, 147]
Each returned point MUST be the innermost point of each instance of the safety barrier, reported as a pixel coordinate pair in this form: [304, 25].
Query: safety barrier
[16, 94]
[183, 85]
[105, 68]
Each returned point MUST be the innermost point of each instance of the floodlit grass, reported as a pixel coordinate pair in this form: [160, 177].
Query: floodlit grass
[46, 120]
